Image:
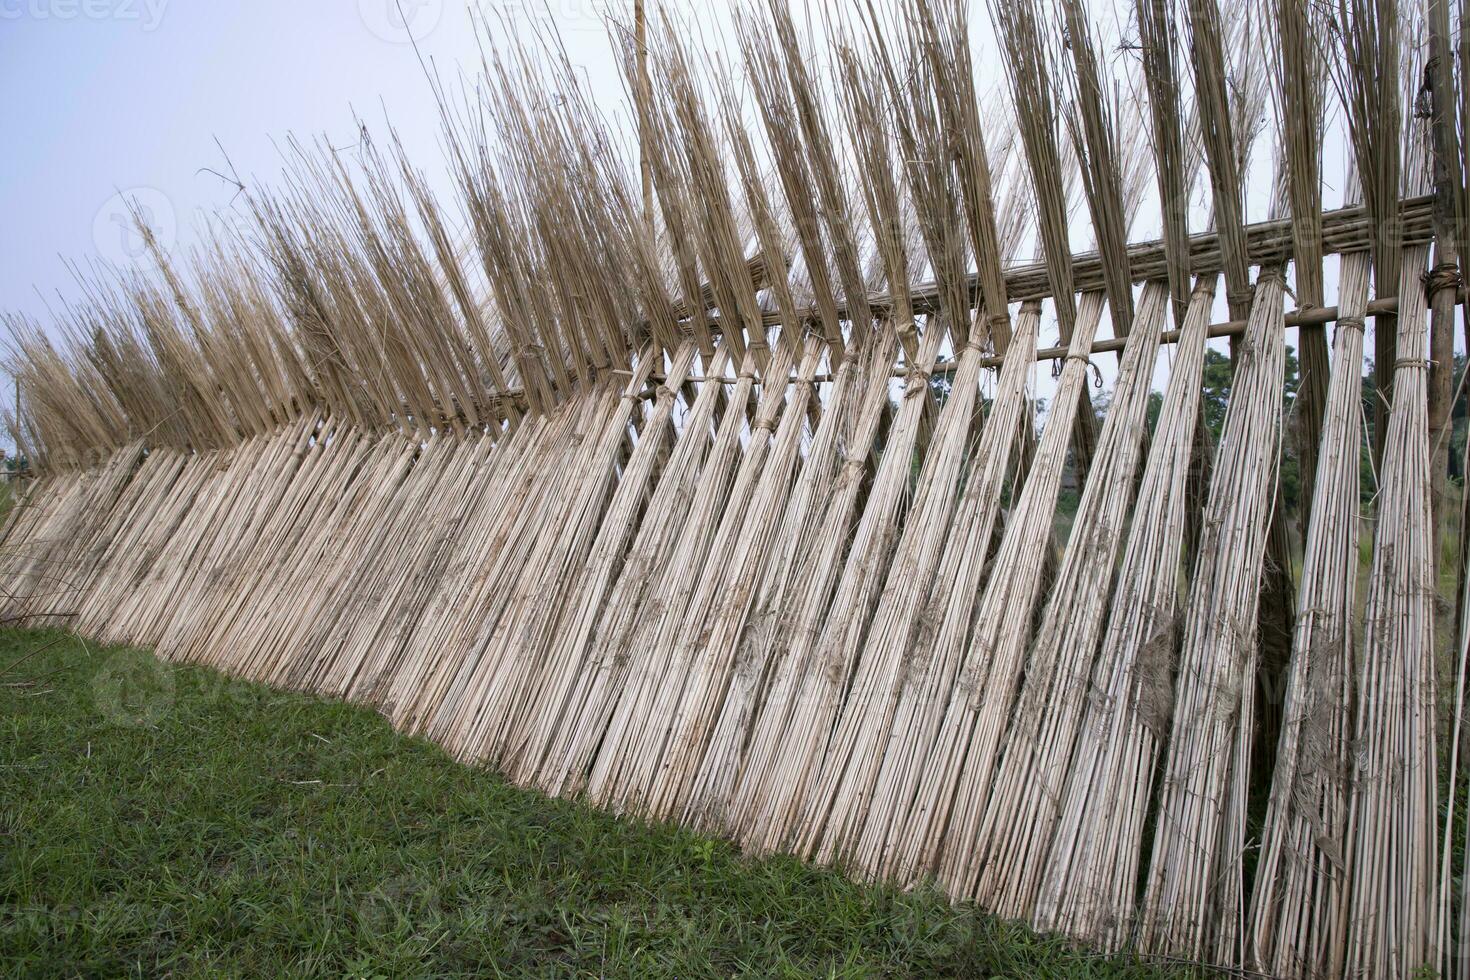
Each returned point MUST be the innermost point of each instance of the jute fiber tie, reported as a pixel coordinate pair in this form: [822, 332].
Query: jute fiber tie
[1446, 275]
[917, 380]
[1351, 322]
[1410, 362]
[1242, 297]
[764, 425]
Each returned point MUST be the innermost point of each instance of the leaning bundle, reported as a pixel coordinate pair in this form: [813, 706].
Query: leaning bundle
[618, 775]
[763, 639]
[850, 761]
[503, 483]
[952, 791]
[1022, 811]
[593, 696]
[1297, 903]
[475, 716]
[850, 768]
[747, 541]
[836, 649]
[1091, 868]
[156, 489]
[269, 626]
[681, 698]
[764, 794]
[888, 846]
[567, 642]
[258, 494]
[390, 561]
[56, 536]
[505, 493]
[164, 497]
[513, 650]
[1393, 800]
[1194, 902]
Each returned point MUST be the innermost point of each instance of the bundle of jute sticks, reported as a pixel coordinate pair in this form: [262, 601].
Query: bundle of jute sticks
[737, 505]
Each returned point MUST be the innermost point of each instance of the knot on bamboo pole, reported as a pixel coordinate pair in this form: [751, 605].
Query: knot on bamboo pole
[1445, 275]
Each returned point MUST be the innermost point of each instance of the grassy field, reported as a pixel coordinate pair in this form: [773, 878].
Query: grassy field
[169, 820]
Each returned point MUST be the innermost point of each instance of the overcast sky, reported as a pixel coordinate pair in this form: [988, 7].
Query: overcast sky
[131, 97]
[109, 96]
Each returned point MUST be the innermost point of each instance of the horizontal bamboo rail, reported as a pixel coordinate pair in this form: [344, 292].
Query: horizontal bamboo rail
[1269, 243]
[1316, 316]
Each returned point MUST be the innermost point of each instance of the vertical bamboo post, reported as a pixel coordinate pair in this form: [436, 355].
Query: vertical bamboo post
[1444, 277]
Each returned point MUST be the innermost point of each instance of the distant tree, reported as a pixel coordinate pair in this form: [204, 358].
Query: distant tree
[1218, 375]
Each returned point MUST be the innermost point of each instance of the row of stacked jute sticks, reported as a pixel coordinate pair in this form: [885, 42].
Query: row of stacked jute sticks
[723, 611]
[656, 500]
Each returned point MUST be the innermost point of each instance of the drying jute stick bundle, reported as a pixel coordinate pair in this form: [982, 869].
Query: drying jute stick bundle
[1194, 898]
[1022, 809]
[955, 776]
[618, 771]
[1298, 902]
[712, 630]
[567, 641]
[591, 700]
[1091, 871]
[763, 640]
[942, 626]
[1393, 796]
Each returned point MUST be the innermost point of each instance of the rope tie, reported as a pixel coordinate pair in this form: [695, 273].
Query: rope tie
[1351, 322]
[662, 392]
[1240, 297]
[1410, 362]
[917, 381]
[1446, 275]
[764, 425]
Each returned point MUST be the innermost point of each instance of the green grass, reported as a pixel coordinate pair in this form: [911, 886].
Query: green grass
[169, 820]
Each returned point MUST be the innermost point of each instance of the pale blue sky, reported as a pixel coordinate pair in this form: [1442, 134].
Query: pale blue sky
[103, 96]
